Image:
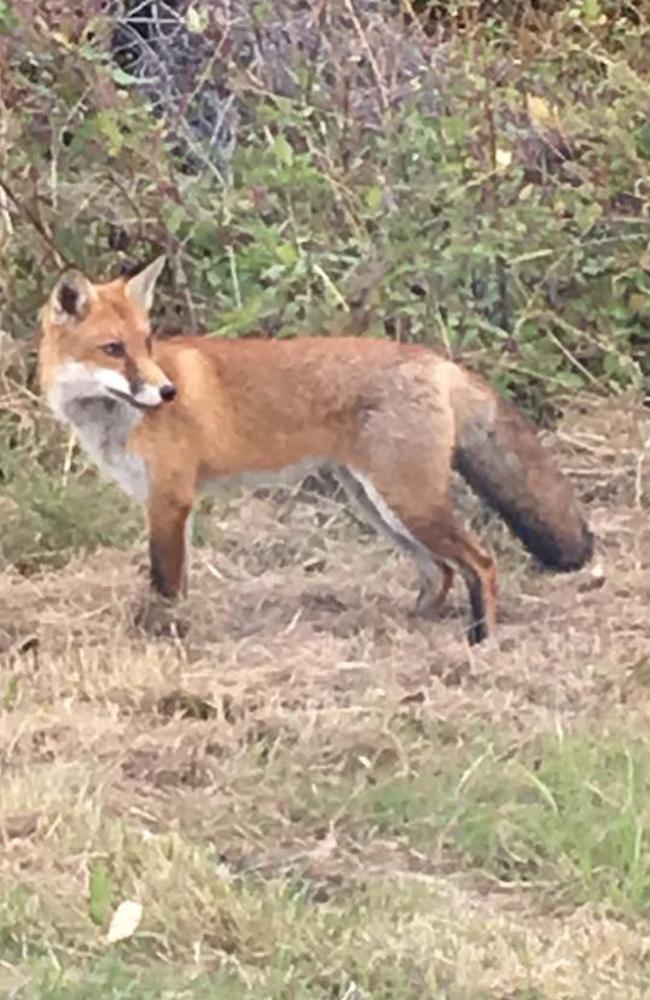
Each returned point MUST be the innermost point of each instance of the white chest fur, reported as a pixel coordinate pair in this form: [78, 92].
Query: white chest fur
[103, 425]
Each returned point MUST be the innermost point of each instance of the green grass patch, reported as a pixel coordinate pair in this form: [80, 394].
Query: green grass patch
[573, 810]
[319, 874]
[111, 977]
[45, 522]
[266, 939]
[54, 505]
[568, 813]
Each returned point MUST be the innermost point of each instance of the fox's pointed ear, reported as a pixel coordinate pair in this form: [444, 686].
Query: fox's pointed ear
[140, 287]
[71, 297]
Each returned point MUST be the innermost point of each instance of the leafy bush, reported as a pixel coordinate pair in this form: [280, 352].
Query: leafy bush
[460, 179]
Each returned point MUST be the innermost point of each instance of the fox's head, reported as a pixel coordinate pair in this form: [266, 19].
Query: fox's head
[97, 341]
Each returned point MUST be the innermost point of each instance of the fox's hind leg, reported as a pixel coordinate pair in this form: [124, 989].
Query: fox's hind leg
[433, 539]
[452, 542]
[429, 600]
[436, 577]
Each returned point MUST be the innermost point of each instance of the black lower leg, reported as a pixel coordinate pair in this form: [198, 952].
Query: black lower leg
[478, 629]
[159, 579]
[167, 524]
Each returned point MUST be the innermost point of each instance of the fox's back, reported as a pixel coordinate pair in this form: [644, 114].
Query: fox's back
[294, 380]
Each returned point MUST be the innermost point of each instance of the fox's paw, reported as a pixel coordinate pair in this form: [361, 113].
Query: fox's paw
[426, 605]
[429, 603]
[430, 600]
[160, 620]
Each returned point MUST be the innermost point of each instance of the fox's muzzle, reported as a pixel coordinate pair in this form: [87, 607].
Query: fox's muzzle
[148, 395]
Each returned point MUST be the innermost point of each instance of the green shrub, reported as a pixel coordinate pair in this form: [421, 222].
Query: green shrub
[490, 198]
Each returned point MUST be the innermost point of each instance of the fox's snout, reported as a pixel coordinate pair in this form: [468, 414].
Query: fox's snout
[143, 385]
[149, 385]
[150, 392]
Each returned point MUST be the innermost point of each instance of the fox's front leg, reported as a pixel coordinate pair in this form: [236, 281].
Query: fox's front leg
[169, 516]
[168, 522]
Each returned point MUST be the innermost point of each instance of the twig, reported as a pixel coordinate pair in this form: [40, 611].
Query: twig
[500, 264]
[234, 276]
[67, 460]
[22, 209]
[569, 328]
[121, 187]
[327, 281]
[371, 56]
[5, 215]
[184, 283]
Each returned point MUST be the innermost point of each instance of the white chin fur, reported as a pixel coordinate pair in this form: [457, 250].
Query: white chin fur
[75, 381]
[148, 395]
[112, 381]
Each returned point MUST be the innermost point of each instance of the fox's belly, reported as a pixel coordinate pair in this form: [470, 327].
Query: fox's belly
[286, 475]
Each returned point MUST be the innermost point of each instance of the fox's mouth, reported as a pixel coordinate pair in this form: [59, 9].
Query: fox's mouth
[126, 398]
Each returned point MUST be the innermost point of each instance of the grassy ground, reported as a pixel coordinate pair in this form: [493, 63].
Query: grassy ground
[315, 796]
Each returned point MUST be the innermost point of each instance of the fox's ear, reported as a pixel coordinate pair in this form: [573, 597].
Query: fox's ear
[140, 287]
[71, 297]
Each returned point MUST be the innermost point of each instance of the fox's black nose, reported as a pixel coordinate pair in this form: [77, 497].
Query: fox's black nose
[167, 392]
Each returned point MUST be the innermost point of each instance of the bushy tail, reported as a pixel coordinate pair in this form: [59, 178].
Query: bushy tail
[498, 452]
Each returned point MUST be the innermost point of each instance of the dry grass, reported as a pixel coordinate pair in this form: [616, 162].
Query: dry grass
[315, 795]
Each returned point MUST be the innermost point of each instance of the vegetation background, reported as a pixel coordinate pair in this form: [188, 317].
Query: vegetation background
[341, 809]
[470, 175]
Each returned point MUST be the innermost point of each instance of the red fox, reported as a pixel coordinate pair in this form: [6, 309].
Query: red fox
[166, 418]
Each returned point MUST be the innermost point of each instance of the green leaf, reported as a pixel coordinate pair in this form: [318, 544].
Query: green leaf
[176, 218]
[107, 125]
[611, 363]
[587, 215]
[454, 128]
[591, 11]
[11, 694]
[374, 198]
[123, 78]
[643, 140]
[287, 253]
[283, 151]
[570, 380]
[102, 891]
[8, 19]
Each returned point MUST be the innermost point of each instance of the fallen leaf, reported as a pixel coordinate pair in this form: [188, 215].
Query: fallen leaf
[125, 922]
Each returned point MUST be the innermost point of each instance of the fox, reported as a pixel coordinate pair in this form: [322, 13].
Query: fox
[168, 418]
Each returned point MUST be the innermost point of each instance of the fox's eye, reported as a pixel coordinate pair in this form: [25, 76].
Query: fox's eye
[114, 349]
